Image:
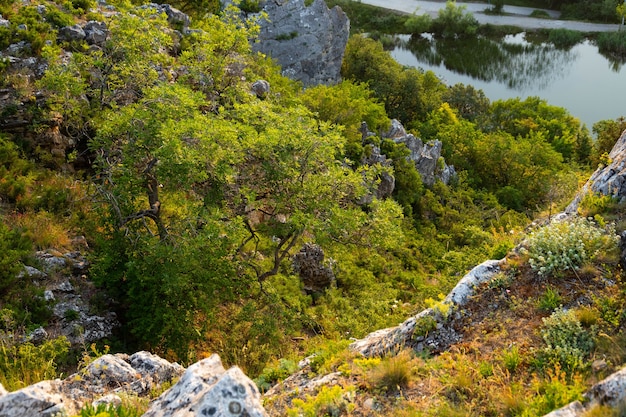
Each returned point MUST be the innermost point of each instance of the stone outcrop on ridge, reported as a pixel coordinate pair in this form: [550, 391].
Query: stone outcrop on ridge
[308, 42]
[607, 180]
[205, 388]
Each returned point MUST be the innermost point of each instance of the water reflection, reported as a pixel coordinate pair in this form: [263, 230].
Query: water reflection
[512, 61]
[589, 85]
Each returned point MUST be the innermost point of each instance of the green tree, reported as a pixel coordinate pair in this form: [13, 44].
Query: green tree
[453, 22]
[607, 132]
[521, 117]
[408, 94]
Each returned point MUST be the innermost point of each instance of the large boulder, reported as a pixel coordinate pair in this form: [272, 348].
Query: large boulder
[308, 42]
[207, 389]
[204, 389]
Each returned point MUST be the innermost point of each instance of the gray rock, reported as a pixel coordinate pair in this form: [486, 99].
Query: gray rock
[41, 9]
[308, 263]
[97, 327]
[48, 295]
[426, 157]
[65, 286]
[96, 33]
[109, 399]
[32, 273]
[3, 391]
[17, 48]
[4, 23]
[175, 17]
[393, 339]
[156, 368]
[51, 262]
[104, 378]
[307, 42]
[261, 88]
[44, 399]
[72, 33]
[608, 180]
[37, 336]
[207, 389]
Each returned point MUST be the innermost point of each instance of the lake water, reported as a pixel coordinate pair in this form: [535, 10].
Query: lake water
[580, 79]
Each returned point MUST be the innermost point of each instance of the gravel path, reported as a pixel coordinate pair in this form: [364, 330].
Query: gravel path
[515, 16]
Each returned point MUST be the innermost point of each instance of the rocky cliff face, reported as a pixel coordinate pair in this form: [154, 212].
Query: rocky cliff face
[606, 180]
[308, 42]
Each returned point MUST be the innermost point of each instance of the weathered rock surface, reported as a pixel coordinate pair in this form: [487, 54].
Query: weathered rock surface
[68, 292]
[394, 339]
[308, 42]
[424, 156]
[207, 389]
[608, 180]
[315, 274]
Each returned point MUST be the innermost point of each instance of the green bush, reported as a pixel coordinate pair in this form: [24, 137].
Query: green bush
[25, 364]
[549, 300]
[613, 43]
[568, 344]
[567, 245]
[453, 22]
[565, 38]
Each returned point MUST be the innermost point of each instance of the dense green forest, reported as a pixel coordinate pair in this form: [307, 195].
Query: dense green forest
[195, 193]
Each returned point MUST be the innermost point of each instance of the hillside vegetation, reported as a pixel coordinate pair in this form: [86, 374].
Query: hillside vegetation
[194, 194]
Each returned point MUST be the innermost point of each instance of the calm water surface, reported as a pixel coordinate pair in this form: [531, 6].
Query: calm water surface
[587, 84]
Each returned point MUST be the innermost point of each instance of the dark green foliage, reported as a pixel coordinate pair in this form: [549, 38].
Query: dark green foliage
[250, 6]
[613, 44]
[469, 103]
[14, 247]
[366, 18]
[408, 94]
[564, 38]
[408, 187]
[607, 132]
[453, 22]
[590, 10]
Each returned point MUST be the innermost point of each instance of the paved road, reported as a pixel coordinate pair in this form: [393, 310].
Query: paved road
[515, 16]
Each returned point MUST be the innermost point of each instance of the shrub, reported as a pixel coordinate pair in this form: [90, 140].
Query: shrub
[511, 358]
[393, 373]
[564, 38]
[25, 364]
[273, 374]
[418, 24]
[613, 43]
[328, 401]
[549, 300]
[568, 344]
[567, 245]
[453, 22]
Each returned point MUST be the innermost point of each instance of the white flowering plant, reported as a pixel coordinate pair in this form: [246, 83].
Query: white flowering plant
[566, 245]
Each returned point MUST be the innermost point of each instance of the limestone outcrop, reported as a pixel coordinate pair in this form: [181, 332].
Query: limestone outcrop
[606, 180]
[205, 388]
[308, 42]
[68, 294]
[425, 156]
[394, 339]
